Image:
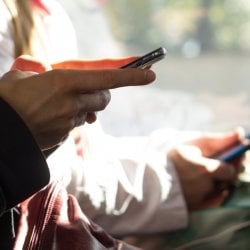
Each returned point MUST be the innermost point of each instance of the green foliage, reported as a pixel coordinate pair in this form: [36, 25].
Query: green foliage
[216, 25]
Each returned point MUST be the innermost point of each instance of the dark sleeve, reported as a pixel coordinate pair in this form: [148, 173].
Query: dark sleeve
[23, 168]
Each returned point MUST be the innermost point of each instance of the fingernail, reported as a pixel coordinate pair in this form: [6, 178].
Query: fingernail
[150, 76]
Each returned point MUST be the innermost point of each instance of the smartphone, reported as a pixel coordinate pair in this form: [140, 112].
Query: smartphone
[147, 59]
[234, 152]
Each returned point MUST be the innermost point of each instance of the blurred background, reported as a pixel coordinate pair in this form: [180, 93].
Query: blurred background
[203, 83]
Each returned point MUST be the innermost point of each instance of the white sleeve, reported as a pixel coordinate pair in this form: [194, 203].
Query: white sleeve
[126, 185]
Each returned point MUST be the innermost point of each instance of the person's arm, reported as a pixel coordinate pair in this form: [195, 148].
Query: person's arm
[164, 190]
[23, 169]
[129, 185]
[50, 104]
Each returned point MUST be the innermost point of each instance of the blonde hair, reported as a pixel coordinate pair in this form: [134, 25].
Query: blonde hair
[23, 25]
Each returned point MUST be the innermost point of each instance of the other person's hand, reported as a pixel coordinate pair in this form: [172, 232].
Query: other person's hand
[205, 180]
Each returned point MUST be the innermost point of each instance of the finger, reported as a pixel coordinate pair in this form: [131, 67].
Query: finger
[93, 64]
[226, 144]
[229, 139]
[17, 74]
[28, 63]
[215, 144]
[91, 80]
[223, 172]
[80, 119]
[213, 202]
[92, 102]
[220, 171]
[91, 117]
[240, 168]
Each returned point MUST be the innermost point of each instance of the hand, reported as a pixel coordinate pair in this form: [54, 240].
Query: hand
[54, 102]
[28, 63]
[204, 180]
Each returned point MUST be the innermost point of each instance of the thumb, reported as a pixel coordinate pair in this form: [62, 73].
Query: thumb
[225, 143]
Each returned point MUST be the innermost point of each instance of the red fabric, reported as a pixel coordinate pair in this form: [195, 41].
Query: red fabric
[52, 219]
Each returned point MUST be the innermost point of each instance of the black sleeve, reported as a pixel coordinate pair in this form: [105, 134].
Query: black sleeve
[23, 168]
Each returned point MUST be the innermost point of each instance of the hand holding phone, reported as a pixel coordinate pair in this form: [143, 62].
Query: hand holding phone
[147, 59]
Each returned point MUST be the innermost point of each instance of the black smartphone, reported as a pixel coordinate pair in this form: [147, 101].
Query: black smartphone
[147, 59]
[235, 151]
